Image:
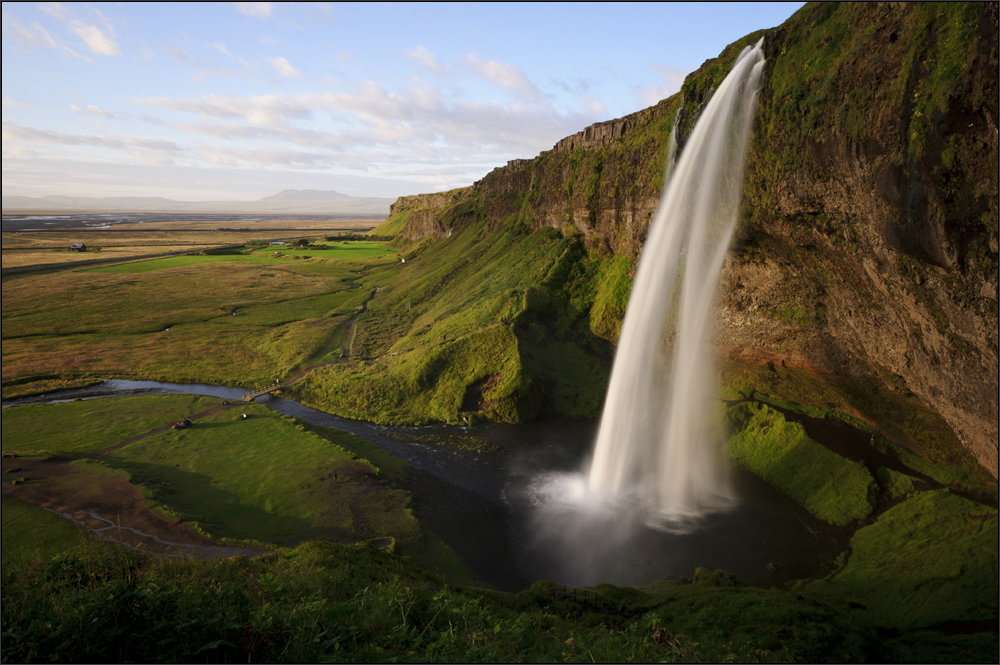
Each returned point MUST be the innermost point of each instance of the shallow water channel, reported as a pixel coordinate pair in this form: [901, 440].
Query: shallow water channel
[484, 506]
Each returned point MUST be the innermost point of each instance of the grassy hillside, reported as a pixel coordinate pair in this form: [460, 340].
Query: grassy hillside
[476, 325]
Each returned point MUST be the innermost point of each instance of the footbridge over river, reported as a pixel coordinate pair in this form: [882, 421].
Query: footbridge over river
[254, 394]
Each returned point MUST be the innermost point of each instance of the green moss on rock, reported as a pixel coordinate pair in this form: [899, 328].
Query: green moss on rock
[830, 487]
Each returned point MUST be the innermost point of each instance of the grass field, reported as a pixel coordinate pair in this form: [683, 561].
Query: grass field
[357, 249]
[265, 479]
[927, 561]
[232, 320]
[19, 259]
[24, 249]
[167, 263]
[478, 325]
[327, 603]
[35, 534]
[87, 426]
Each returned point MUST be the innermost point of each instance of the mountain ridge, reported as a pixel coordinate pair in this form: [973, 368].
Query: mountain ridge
[285, 201]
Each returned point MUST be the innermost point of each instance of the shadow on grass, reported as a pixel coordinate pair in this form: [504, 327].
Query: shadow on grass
[196, 498]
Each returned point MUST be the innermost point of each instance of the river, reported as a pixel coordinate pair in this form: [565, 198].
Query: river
[485, 506]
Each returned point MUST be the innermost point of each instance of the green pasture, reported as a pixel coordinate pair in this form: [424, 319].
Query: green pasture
[932, 449]
[31, 533]
[87, 426]
[357, 249]
[167, 263]
[226, 322]
[265, 479]
[478, 325]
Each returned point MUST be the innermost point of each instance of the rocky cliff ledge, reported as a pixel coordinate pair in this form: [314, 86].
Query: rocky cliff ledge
[867, 250]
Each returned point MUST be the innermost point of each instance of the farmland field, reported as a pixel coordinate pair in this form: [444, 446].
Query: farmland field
[224, 319]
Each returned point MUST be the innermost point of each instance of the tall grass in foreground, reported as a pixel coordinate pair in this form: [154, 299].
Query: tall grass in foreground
[321, 603]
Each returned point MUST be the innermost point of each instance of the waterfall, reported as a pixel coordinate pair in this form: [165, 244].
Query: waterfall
[657, 445]
[672, 146]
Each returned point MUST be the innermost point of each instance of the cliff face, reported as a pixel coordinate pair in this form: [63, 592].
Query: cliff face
[867, 247]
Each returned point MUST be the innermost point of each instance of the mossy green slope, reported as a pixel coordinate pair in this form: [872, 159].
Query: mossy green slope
[475, 325]
[928, 561]
[830, 487]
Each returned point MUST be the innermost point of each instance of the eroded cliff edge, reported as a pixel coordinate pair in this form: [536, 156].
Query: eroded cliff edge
[867, 247]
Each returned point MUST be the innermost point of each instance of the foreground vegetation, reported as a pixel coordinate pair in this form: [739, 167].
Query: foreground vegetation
[324, 602]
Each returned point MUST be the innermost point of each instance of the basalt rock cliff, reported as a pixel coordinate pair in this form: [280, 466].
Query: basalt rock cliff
[866, 253]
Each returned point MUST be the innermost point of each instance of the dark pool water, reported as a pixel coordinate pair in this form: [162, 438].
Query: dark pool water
[488, 509]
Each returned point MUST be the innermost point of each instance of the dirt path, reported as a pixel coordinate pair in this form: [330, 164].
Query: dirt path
[140, 437]
[109, 505]
[348, 335]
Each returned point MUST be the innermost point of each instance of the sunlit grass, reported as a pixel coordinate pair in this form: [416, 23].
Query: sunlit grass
[357, 249]
[225, 321]
[180, 262]
[830, 487]
[266, 479]
[87, 426]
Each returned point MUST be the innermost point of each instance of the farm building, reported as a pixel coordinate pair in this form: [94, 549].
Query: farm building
[78, 247]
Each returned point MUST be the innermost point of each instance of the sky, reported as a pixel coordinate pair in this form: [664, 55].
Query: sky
[236, 101]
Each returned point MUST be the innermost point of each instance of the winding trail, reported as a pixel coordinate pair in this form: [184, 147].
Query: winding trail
[302, 373]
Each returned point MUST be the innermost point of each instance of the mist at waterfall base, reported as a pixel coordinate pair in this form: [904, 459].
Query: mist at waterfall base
[657, 461]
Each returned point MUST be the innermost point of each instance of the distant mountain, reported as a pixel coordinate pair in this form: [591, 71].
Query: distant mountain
[301, 195]
[287, 201]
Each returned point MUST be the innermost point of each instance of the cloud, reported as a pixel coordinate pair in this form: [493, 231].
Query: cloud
[270, 110]
[14, 103]
[428, 60]
[20, 134]
[27, 142]
[263, 157]
[90, 109]
[673, 78]
[255, 9]
[595, 104]
[30, 36]
[204, 69]
[224, 50]
[285, 68]
[372, 127]
[36, 36]
[56, 10]
[98, 40]
[95, 39]
[506, 76]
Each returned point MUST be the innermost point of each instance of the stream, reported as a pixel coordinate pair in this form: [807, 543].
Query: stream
[486, 508]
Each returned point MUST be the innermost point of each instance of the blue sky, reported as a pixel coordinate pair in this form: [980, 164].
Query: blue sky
[241, 100]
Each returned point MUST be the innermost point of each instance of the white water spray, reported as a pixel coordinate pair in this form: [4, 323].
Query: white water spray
[656, 444]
